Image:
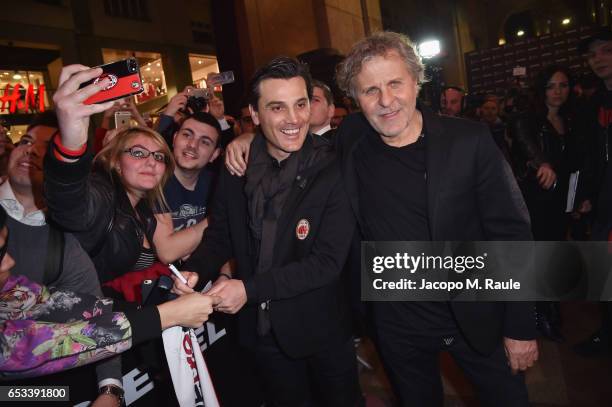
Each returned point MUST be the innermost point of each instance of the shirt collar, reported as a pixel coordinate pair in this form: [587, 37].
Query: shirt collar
[322, 131]
[15, 209]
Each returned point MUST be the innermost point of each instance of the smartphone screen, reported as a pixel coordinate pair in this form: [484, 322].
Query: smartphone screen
[125, 81]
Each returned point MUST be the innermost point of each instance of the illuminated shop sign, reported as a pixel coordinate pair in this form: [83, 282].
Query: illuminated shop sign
[14, 100]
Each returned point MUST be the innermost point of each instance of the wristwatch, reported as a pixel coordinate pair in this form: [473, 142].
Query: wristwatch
[114, 391]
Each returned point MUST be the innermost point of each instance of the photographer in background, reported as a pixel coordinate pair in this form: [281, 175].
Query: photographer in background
[451, 101]
[187, 102]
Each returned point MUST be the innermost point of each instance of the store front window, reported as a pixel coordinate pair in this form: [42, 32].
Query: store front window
[151, 71]
[201, 66]
[22, 92]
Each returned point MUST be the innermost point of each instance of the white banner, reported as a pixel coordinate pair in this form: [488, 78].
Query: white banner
[192, 383]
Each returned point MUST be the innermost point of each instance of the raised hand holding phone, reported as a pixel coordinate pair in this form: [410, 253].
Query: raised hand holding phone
[123, 80]
[72, 113]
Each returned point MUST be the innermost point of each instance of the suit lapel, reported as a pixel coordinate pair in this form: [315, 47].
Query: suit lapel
[438, 148]
[300, 186]
[357, 127]
[350, 180]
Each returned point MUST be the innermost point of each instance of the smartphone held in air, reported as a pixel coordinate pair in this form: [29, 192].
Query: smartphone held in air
[199, 93]
[122, 119]
[124, 78]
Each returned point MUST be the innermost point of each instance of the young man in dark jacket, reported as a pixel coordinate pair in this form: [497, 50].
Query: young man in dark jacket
[595, 185]
[288, 225]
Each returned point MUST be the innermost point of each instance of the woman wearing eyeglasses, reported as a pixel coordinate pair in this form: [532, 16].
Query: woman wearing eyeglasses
[110, 210]
[44, 330]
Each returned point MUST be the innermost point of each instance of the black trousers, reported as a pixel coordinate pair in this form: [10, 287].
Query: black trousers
[328, 378]
[412, 363]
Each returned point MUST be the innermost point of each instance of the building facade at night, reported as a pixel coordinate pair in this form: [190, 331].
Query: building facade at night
[172, 42]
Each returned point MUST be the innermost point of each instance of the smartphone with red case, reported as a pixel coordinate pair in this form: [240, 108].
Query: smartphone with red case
[125, 81]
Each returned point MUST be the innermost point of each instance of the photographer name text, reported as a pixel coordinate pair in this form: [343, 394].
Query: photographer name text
[469, 284]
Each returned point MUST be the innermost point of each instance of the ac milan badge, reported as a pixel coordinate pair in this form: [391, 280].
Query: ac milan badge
[302, 229]
[113, 80]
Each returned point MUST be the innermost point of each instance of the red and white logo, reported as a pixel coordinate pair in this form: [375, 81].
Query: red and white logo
[302, 229]
[113, 80]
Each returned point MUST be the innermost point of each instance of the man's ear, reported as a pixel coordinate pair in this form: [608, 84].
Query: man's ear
[174, 138]
[254, 115]
[215, 154]
[331, 109]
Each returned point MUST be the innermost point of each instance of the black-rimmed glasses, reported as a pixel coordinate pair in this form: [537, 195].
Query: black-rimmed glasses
[141, 153]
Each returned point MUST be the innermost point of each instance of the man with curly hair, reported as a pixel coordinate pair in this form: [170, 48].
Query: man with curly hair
[416, 176]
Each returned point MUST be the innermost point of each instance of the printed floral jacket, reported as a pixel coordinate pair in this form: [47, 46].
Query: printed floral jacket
[43, 331]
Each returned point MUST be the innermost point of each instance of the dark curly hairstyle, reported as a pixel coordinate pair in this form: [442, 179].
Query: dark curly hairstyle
[278, 68]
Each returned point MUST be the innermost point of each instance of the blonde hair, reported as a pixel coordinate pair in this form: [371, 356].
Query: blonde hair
[109, 157]
[378, 44]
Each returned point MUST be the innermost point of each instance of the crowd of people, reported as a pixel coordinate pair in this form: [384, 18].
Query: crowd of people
[554, 135]
[269, 209]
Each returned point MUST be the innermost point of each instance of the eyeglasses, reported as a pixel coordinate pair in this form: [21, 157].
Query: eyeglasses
[141, 153]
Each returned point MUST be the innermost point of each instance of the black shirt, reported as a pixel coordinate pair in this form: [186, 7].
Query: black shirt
[392, 185]
[393, 189]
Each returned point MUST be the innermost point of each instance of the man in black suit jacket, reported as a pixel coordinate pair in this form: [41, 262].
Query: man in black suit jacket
[286, 225]
[414, 176]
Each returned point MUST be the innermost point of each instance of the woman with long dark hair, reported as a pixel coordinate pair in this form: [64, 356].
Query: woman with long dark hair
[545, 155]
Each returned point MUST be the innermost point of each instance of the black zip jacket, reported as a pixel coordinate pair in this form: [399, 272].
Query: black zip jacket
[308, 305]
[95, 208]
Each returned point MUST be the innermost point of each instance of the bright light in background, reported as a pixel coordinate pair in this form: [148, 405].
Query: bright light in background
[501, 41]
[566, 21]
[429, 49]
[520, 33]
[16, 76]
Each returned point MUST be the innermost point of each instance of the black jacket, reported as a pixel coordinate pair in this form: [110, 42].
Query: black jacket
[308, 308]
[595, 183]
[472, 196]
[96, 209]
[535, 141]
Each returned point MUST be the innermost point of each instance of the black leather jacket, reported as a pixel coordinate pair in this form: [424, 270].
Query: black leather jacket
[535, 141]
[95, 207]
